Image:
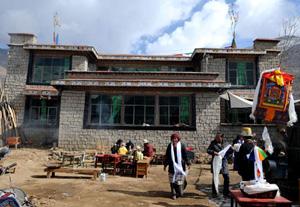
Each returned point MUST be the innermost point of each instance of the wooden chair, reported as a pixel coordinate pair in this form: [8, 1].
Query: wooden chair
[13, 141]
[127, 166]
[110, 163]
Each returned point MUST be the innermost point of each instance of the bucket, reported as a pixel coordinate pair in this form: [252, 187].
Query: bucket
[103, 177]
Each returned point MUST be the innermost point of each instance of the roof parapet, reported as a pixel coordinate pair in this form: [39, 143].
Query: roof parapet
[22, 38]
[264, 44]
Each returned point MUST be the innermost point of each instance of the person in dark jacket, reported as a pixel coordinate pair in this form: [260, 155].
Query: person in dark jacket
[239, 140]
[246, 166]
[176, 159]
[213, 149]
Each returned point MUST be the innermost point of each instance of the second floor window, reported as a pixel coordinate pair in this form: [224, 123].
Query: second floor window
[241, 73]
[48, 68]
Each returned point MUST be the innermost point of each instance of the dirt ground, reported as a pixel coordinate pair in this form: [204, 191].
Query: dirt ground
[75, 190]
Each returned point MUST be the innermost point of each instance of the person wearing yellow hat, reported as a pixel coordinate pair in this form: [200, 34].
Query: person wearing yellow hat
[246, 166]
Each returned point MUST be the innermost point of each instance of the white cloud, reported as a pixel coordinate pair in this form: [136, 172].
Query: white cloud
[110, 26]
[116, 26]
[263, 18]
[209, 27]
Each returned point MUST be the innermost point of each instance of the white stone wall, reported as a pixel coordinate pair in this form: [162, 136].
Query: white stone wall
[18, 60]
[79, 63]
[215, 65]
[17, 70]
[73, 136]
[268, 61]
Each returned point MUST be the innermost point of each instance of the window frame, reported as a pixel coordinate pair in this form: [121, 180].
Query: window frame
[156, 126]
[29, 106]
[31, 67]
[228, 113]
[245, 60]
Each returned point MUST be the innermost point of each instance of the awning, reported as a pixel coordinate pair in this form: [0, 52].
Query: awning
[40, 90]
[236, 101]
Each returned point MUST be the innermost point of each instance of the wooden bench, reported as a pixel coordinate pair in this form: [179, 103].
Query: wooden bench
[86, 171]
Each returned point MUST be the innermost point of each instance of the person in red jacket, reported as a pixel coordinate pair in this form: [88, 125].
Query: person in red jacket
[148, 149]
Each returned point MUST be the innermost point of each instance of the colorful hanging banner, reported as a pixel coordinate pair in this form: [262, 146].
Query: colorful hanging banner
[275, 88]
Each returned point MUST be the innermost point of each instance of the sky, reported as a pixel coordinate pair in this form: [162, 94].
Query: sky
[147, 26]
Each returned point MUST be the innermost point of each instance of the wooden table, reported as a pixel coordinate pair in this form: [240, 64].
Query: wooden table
[72, 157]
[238, 198]
[108, 159]
[142, 167]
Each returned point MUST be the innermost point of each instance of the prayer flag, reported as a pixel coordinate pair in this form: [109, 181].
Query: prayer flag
[261, 154]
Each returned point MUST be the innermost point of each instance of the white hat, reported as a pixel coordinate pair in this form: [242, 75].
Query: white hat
[145, 141]
[138, 147]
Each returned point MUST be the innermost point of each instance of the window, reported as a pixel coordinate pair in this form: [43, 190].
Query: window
[105, 109]
[174, 110]
[241, 73]
[237, 115]
[41, 111]
[137, 110]
[47, 68]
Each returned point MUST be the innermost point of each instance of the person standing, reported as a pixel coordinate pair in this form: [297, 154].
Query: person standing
[246, 165]
[213, 149]
[176, 159]
[237, 142]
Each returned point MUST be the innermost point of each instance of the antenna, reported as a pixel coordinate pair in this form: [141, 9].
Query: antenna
[56, 23]
[234, 17]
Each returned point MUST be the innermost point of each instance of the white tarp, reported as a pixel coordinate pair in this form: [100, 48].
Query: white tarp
[236, 101]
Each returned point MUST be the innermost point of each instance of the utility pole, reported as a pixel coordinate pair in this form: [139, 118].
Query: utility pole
[56, 23]
[234, 17]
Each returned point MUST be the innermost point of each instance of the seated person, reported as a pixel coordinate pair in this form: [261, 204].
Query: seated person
[129, 145]
[122, 150]
[114, 149]
[148, 149]
[138, 154]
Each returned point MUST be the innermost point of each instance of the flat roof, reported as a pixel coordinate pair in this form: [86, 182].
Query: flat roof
[175, 57]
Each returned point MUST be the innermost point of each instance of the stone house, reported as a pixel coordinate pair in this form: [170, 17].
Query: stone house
[79, 98]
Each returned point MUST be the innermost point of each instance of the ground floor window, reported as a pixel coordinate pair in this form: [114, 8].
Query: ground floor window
[235, 115]
[139, 110]
[41, 111]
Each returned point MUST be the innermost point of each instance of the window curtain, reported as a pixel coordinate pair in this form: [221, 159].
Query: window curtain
[116, 109]
[241, 73]
[43, 110]
[184, 110]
